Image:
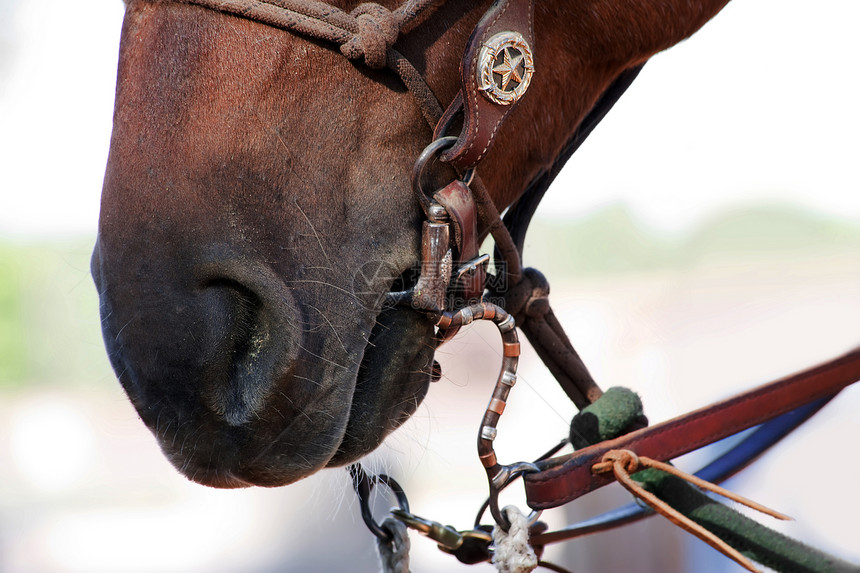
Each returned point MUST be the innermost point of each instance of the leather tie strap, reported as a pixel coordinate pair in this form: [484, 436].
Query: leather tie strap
[565, 478]
[622, 463]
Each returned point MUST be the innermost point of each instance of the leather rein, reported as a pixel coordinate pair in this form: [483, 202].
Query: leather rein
[455, 287]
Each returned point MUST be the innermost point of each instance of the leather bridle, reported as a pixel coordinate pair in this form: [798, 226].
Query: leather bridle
[455, 288]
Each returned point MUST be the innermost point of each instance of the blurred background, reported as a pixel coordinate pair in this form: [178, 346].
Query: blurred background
[705, 239]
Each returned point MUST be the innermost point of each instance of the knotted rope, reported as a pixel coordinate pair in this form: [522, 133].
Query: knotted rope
[377, 31]
[369, 31]
[394, 553]
[513, 554]
[624, 462]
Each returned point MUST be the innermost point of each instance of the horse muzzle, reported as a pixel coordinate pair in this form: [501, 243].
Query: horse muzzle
[211, 357]
[239, 381]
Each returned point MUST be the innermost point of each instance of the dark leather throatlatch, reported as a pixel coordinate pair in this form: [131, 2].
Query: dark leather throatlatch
[481, 116]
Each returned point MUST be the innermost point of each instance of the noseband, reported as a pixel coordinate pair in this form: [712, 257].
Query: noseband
[456, 288]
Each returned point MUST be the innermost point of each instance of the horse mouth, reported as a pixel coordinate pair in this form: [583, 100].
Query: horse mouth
[391, 381]
[240, 388]
[395, 373]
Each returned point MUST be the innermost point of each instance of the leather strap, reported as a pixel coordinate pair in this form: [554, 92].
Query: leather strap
[564, 478]
[528, 301]
[458, 201]
[482, 117]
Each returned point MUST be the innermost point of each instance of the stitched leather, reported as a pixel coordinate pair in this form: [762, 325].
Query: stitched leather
[482, 118]
[565, 478]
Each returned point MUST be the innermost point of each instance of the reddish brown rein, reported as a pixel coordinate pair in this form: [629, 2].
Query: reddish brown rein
[565, 478]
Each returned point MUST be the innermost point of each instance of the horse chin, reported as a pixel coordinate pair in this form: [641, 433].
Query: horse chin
[392, 380]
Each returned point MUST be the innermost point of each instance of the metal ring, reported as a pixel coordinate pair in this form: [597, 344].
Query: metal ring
[363, 484]
[502, 520]
[500, 481]
[551, 452]
[432, 151]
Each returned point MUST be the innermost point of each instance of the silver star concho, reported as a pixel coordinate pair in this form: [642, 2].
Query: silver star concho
[505, 68]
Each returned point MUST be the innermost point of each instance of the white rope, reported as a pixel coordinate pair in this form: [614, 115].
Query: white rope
[513, 554]
[394, 554]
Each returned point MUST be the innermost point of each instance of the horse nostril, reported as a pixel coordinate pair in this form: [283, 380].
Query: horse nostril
[243, 308]
[240, 360]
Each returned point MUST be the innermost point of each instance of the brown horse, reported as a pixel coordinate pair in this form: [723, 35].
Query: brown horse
[253, 175]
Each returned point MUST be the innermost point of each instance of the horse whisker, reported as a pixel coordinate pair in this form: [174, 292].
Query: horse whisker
[323, 358]
[311, 225]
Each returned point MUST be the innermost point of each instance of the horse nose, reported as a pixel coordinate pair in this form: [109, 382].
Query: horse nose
[250, 342]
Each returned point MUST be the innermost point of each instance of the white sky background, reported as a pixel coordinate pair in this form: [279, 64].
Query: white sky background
[761, 104]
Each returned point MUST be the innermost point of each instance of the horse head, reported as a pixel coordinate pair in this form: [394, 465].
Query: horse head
[258, 182]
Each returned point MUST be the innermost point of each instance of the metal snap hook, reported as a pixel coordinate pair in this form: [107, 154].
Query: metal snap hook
[445, 536]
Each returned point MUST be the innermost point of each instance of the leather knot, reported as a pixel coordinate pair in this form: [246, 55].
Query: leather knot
[378, 29]
[628, 460]
[528, 297]
[538, 304]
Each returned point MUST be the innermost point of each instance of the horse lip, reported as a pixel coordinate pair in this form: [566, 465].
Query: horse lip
[219, 480]
[242, 457]
[393, 378]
